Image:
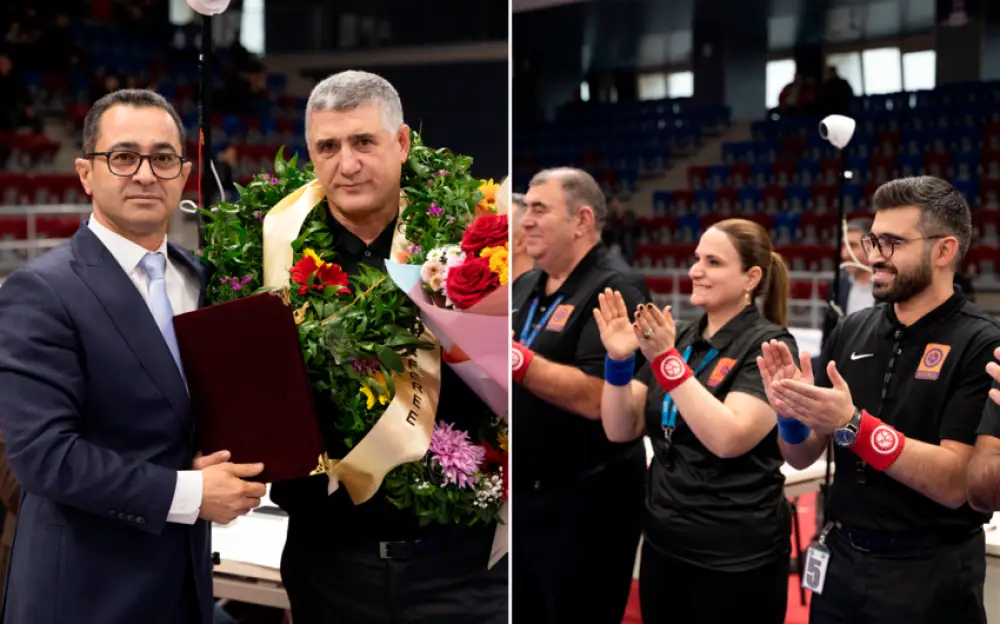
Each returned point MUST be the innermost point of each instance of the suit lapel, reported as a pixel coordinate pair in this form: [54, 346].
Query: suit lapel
[128, 311]
[189, 261]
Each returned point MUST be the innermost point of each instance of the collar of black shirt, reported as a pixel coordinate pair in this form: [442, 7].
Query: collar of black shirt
[927, 322]
[577, 276]
[729, 332]
[347, 244]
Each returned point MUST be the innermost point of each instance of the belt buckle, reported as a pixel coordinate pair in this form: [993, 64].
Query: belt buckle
[385, 550]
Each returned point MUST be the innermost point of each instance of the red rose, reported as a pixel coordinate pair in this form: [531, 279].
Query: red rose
[489, 230]
[470, 282]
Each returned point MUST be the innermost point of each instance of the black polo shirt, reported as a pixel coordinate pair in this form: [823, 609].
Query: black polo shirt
[722, 514]
[990, 424]
[935, 389]
[551, 443]
[306, 500]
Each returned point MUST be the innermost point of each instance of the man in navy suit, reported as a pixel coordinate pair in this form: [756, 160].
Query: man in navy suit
[113, 521]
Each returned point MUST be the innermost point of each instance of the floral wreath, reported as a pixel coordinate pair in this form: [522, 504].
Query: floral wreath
[356, 331]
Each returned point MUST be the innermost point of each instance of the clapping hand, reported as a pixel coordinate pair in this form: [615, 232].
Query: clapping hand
[655, 330]
[616, 330]
[775, 364]
[994, 370]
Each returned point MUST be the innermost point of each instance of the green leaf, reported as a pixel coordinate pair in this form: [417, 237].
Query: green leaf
[391, 361]
[279, 162]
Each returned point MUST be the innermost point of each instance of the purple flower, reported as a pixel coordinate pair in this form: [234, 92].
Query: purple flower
[441, 172]
[274, 180]
[246, 279]
[365, 366]
[430, 183]
[458, 458]
[451, 219]
[259, 215]
[415, 249]
[434, 210]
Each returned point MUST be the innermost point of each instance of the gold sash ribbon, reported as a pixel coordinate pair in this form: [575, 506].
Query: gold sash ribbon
[403, 433]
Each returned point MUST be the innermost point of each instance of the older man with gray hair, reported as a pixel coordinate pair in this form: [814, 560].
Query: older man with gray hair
[578, 497]
[369, 563]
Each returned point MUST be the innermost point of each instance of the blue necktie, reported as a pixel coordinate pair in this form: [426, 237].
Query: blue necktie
[154, 264]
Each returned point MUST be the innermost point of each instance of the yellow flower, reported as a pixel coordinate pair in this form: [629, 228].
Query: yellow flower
[502, 441]
[366, 390]
[488, 252]
[309, 253]
[488, 204]
[499, 264]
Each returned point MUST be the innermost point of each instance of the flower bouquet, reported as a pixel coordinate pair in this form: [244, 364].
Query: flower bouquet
[372, 362]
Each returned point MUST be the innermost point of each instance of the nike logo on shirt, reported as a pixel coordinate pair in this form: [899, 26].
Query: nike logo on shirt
[855, 356]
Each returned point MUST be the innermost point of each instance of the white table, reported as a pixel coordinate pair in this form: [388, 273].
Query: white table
[250, 552]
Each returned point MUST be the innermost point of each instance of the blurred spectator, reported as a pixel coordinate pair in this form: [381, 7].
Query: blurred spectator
[225, 166]
[15, 96]
[798, 97]
[520, 261]
[835, 94]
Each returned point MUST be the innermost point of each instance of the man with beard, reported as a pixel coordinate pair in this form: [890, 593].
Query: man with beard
[901, 391]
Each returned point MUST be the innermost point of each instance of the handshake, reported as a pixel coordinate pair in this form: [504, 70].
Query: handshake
[224, 494]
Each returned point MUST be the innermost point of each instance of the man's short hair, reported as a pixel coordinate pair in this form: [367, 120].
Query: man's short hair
[943, 209]
[352, 89]
[861, 224]
[581, 189]
[138, 98]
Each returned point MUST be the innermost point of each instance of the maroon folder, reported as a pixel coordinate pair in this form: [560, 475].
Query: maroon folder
[249, 386]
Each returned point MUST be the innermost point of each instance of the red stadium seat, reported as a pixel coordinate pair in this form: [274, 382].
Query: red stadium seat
[937, 164]
[739, 173]
[698, 176]
[660, 284]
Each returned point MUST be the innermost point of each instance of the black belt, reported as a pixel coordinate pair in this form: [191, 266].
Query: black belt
[895, 541]
[447, 540]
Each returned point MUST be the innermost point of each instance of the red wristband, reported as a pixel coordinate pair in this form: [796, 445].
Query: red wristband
[877, 443]
[671, 370]
[520, 360]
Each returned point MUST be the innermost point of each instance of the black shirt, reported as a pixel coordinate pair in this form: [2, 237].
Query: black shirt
[552, 443]
[306, 500]
[722, 514]
[936, 391]
[990, 424]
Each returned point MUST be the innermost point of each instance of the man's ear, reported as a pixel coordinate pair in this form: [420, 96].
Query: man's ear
[84, 169]
[403, 136]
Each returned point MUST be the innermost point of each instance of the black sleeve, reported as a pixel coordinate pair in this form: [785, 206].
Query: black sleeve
[748, 379]
[827, 354]
[990, 424]
[963, 413]
[590, 350]
[645, 376]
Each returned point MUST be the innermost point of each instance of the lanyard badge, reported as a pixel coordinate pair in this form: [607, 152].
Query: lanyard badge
[668, 411]
[817, 560]
[530, 330]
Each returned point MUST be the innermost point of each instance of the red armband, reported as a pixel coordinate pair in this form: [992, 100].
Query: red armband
[877, 443]
[671, 370]
[520, 360]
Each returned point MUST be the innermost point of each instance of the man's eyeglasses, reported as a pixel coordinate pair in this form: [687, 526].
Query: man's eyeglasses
[126, 163]
[886, 245]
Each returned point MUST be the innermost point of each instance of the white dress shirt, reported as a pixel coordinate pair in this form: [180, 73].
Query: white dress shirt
[182, 291]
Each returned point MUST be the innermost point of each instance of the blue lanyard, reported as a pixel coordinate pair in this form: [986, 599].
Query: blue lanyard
[668, 413]
[529, 333]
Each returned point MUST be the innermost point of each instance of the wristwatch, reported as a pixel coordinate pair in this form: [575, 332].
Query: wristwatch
[845, 436]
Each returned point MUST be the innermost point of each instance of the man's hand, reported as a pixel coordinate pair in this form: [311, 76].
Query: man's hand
[820, 409]
[225, 495]
[204, 461]
[776, 364]
[994, 370]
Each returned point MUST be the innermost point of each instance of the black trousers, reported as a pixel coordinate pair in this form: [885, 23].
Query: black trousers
[574, 545]
[352, 586]
[939, 585]
[675, 592]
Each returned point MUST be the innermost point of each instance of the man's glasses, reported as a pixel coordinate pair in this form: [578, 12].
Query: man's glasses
[886, 245]
[126, 163]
